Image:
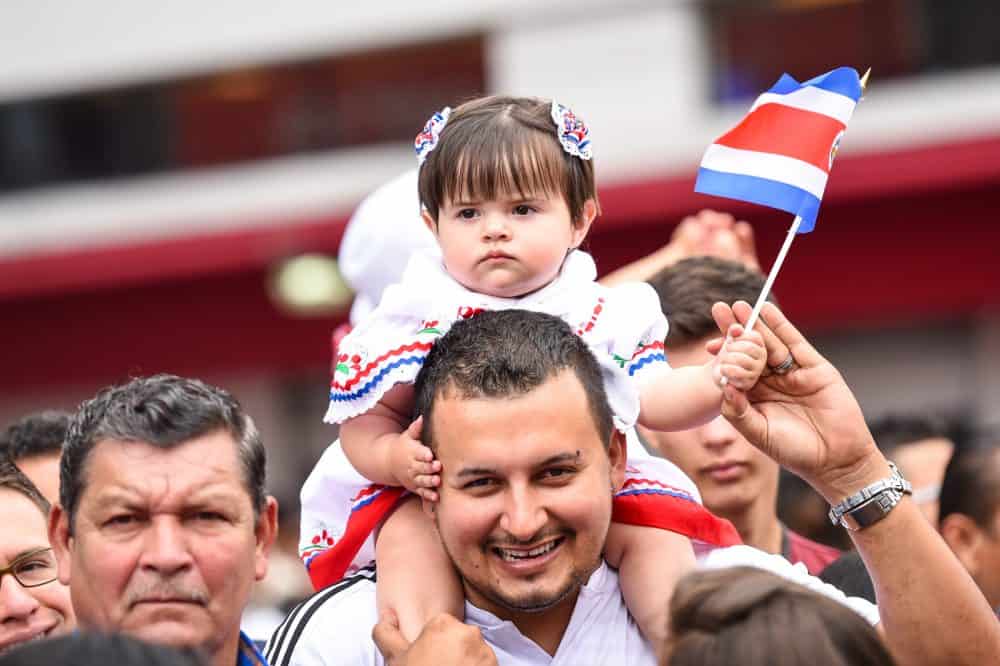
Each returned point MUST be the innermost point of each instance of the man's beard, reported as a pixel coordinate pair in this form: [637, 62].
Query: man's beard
[533, 603]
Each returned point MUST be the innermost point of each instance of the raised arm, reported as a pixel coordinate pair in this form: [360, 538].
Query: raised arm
[809, 421]
[708, 232]
[689, 396]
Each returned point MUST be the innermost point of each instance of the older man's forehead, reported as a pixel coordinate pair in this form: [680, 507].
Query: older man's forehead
[120, 469]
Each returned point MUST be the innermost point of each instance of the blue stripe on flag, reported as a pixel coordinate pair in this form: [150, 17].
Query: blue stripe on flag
[843, 81]
[761, 191]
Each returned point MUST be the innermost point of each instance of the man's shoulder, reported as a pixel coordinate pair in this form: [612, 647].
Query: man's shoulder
[330, 628]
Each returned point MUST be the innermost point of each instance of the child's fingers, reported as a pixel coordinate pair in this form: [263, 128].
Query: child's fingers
[744, 361]
[427, 494]
[740, 377]
[427, 480]
[421, 452]
[424, 468]
[413, 432]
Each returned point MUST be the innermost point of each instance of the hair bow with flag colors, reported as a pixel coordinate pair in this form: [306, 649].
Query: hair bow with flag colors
[781, 153]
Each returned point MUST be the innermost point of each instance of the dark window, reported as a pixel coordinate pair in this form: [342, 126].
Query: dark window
[236, 116]
[754, 41]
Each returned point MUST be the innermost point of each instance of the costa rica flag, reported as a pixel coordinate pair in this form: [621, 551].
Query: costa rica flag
[781, 153]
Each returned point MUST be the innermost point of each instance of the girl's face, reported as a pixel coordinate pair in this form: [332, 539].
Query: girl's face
[508, 247]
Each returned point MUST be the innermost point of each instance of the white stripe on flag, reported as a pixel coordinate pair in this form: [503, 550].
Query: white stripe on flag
[812, 99]
[783, 169]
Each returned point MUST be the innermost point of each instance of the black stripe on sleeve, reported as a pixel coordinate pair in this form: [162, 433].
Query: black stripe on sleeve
[283, 641]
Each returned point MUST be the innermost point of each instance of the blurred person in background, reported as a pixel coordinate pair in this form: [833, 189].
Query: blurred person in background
[163, 525]
[735, 479]
[382, 234]
[34, 443]
[921, 447]
[707, 233]
[286, 583]
[33, 603]
[750, 617]
[970, 513]
[96, 649]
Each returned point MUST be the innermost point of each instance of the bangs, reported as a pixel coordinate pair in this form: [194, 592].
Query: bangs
[507, 160]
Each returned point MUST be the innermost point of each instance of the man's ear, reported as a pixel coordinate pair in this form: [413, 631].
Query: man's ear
[429, 221]
[617, 455]
[964, 537]
[61, 541]
[581, 226]
[265, 532]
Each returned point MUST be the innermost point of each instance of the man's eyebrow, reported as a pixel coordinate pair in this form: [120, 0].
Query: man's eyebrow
[476, 471]
[561, 458]
[27, 551]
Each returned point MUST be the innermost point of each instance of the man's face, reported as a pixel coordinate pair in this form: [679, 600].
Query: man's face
[525, 498]
[165, 545]
[28, 612]
[43, 470]
[730, 473]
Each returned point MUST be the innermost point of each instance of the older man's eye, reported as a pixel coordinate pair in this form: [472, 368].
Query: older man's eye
[209, 516]
[478, 484]
[121, 520]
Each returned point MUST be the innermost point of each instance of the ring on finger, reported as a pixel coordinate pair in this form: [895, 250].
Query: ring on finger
[783, 367]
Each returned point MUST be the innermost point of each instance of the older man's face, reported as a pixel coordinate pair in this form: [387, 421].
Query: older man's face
[27, 613]
[165, 545]
[525, 499]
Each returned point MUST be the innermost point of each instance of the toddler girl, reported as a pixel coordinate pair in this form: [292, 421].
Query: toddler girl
[507, 188]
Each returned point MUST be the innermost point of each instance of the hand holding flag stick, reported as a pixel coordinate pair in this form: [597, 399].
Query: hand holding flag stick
[781, 153]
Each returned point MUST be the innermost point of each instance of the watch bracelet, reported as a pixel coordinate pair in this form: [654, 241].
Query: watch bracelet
[894, 485]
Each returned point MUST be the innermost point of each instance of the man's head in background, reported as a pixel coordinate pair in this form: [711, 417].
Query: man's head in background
[730, 473]
[33, 603]
[970, 512]
[34, 443]
[921, 447]
[163, 525]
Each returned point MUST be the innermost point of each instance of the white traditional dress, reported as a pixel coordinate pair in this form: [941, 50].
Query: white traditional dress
[623, 326]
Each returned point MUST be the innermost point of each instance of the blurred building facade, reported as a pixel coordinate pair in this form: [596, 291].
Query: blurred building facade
[158, 160]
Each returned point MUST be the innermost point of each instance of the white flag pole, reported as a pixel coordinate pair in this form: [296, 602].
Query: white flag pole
[792, 231]
[771, 277]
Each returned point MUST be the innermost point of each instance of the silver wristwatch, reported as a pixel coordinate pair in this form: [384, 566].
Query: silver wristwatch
[872, 503]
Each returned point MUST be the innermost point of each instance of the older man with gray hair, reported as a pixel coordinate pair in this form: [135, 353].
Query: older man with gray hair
[163, 524]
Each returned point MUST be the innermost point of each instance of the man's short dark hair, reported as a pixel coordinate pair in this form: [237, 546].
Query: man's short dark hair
[971, 483]
[14, 479]
[895, 430]
[689, 289]
[38, 434]
[164, 411]
[506, 353]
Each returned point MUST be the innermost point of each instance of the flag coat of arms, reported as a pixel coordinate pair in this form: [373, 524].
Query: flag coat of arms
[781, 153]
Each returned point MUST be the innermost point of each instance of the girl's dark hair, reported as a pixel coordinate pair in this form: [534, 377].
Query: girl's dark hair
[500, 145]
[747, 616]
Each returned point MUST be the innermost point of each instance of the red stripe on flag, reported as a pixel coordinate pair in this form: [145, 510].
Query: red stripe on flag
[775, 128]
